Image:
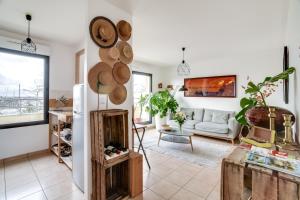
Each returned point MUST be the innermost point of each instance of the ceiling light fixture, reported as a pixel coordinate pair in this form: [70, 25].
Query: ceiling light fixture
[28, 45]
[183, 68]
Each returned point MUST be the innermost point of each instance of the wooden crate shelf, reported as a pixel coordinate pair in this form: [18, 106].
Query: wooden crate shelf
[110, 178]
[59, 119]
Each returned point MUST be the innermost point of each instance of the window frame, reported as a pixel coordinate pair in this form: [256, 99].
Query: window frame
[46, 89]
[151, 86]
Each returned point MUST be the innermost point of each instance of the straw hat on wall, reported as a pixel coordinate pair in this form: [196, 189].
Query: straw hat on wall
[121, 73]
[118, 95]
[100, 79]
[124, 30]
[126, 53]
[109, 55]
[103, 32]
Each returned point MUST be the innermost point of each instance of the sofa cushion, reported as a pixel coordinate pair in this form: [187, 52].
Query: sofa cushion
[220, 117]
[188, 112]
[198, 114]
[212, 127]
[190, 124]
[207, 115]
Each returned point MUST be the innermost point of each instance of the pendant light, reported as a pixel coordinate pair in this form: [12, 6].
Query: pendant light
[28, 45]
[183, 89]
[183, 68]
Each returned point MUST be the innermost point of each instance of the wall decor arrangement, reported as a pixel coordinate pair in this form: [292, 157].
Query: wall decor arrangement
[215, 86]
[286, 81]
[110, 74]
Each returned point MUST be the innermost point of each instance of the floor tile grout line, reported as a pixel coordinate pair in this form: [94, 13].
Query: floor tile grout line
[182, 187]
[35, 173]
[4, 177]
[211, 191]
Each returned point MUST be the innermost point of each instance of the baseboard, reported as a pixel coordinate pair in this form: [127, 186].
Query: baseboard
[26, 155]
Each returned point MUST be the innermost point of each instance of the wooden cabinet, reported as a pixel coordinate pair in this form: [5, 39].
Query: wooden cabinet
[135, 174]
[244, 181]
[122, 176]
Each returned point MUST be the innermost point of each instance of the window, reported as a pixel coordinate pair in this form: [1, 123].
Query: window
[24, 89]
[142, 87]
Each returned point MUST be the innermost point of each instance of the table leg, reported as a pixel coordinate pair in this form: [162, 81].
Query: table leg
[191, 143]
[159, 138]
[143, 134]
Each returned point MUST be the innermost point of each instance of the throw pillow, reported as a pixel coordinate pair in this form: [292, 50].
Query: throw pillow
[207, 116]
[198, 114]
[188, 113]
[220, 118]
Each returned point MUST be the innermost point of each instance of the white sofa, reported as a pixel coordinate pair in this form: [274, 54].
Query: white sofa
[208, 122]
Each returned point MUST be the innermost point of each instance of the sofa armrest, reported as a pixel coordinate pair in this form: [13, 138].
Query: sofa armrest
[234, 127]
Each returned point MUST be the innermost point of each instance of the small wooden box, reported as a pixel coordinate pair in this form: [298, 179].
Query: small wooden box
[135, 174]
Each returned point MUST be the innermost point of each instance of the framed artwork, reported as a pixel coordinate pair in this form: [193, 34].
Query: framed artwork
[286, 81]
[215, 86]
[160, 85]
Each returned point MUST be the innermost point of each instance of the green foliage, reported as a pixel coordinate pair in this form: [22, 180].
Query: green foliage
[143, 100]
[256, 92]
[161, 102]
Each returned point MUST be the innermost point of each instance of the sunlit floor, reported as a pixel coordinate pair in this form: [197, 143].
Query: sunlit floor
[174, 179]
[43, 178]
[37, 178]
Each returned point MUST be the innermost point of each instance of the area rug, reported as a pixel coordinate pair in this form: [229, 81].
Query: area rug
[206, 152]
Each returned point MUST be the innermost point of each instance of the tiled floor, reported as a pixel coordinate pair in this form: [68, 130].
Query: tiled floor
[43, 178]
[174, 179]
[37, 178]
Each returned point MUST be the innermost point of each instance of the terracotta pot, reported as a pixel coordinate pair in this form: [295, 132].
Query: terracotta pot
[258, 116]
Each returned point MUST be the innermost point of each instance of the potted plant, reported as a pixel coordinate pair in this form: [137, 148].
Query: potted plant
[255, 109]
[161, 103]
[143, 100]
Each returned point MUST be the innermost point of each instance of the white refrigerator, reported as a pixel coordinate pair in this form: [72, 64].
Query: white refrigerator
[78, 136]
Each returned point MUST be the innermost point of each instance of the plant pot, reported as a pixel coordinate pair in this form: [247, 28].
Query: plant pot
[258, 116]
[159, 122]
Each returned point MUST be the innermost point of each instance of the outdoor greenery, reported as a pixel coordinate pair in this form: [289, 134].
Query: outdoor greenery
[143, 100]
[259, 92]
[161, 102]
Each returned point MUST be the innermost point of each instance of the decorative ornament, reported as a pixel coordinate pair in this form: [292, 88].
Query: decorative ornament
[183, 68]
[28, 45]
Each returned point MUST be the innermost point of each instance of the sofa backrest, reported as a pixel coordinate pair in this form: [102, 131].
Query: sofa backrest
[217, 116]
[206, 115]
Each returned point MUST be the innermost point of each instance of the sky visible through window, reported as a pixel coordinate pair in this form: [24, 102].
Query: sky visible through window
[21, 88]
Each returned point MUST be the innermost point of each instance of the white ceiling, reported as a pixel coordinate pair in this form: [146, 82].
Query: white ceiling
[59, 20]
[208, 28]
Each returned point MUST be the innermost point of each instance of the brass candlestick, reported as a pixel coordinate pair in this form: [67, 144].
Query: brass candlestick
[272, 116]
[287, 128]
[288, 143]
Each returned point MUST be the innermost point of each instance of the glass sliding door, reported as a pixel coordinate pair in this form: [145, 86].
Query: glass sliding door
[142, 88]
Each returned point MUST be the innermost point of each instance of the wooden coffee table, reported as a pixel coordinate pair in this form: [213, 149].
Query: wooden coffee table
[176, 136]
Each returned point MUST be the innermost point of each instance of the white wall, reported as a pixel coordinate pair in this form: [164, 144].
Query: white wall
[158, 73]
[16, 141]
[248, 42]
[256, 65]
[293, 42]
[100, 8]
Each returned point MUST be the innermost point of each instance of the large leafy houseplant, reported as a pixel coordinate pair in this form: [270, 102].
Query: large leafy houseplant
[161, 102]
[258, 94]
